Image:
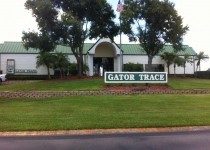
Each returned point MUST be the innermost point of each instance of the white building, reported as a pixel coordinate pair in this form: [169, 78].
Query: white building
[15, 59]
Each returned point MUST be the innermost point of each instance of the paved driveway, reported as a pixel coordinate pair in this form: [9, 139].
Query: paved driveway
[145, 141]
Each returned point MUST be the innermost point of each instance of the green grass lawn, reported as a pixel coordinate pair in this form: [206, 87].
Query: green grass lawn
[92, 112]
[94, 84]
[189, 83]
[55, 85]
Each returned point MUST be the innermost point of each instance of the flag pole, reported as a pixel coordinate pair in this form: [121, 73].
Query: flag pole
[121, 62]
[120, 9]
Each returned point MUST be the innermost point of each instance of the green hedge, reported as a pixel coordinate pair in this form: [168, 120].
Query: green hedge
[203, 74]
[27, 77]
[72, 70]
[131, 67]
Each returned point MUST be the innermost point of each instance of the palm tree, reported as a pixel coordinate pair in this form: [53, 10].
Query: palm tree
[46, 59]
[199, 57]
[186, 59]
[168, 58]
[61, 62]
[178, 61]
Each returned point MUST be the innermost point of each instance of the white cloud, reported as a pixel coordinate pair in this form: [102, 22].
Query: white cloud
[196, 14]
[14, 19]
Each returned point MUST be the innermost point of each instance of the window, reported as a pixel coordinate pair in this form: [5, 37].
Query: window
[10, 66]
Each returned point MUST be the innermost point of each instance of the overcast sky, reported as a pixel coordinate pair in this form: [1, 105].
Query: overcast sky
[14, 19]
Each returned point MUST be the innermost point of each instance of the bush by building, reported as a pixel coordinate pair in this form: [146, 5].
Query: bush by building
[203, 74]
[131, 67]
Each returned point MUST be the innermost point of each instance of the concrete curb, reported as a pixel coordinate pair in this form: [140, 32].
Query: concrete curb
[106, 131]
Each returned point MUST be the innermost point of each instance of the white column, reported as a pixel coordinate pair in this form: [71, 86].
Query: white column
[90, 64]
[119, 63]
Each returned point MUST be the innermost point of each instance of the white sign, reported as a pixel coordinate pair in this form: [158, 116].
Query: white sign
[136, 77]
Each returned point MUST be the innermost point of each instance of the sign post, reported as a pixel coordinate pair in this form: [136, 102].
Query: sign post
[136, 77]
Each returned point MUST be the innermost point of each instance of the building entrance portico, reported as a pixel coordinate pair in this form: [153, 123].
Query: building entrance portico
[104, 56]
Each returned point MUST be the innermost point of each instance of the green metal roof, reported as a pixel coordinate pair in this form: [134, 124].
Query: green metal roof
[132, 49]
[186, 50]
[16, 48]
[135, 49]
[128, 49]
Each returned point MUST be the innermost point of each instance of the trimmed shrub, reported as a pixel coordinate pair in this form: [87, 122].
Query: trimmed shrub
[73, 69]
[27, 77]
[203, 74]
[131, 67]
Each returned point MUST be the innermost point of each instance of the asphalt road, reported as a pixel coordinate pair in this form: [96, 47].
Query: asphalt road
[147, 141]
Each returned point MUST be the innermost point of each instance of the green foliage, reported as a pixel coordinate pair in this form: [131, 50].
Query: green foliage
[45, 39]
[131, 67]
[47, 59]
[46, 18]
[73, 69]
[84, 19]
[98, 14]
[199, 57]
[44, 12]
[158, 23]
[189, 84]
[172, 58]
[168, 58]
[203, 74]
[85, 68]
[178, 61]
[79, 20]
[61, 63]
[187, 59]
[27, 77]
[75, 84]
[58, 61]
[90, 84]
[155, 68]
[38, 41]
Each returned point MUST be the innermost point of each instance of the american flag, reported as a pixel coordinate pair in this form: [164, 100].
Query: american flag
[119, 6]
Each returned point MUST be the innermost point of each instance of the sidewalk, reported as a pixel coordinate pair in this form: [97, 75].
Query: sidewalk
[106, 131]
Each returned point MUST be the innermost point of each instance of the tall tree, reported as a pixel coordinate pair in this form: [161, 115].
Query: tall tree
[158, 24]
[46, 18]
[71, 22]
[44, 40]
[82, 19]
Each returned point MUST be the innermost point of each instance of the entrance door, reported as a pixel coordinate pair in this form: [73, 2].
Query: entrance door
[102, 64]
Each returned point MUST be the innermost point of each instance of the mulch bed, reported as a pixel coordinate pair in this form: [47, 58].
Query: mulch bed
[136, 87]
